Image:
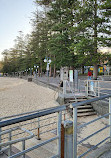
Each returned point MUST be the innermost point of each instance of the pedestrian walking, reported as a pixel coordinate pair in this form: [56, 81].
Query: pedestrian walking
[89, 75]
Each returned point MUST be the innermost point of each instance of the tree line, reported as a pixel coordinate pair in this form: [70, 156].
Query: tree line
[68, 32]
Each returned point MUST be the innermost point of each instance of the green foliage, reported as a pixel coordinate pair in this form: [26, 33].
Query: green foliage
[69, 32]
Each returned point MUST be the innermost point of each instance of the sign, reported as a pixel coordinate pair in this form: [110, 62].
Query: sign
[71, 75]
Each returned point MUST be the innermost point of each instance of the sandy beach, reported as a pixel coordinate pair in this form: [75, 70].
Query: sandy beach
[18, 96]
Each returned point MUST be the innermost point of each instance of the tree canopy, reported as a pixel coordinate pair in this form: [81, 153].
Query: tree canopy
[69, 32]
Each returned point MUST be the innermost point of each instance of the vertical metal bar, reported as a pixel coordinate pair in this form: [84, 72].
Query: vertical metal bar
[110, 117]
[23, 148]
[38, 129]
[98, 89]
[64, 87]
[59, 133]
[87, 88]
[9, 151]
[79, 85]
[0, 135]
[75, 132]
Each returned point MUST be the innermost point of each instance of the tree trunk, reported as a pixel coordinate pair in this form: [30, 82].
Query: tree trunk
[41, 68]
[50, 72]
[95, 72]
[82, 69]
[39, 72]
[54, 74]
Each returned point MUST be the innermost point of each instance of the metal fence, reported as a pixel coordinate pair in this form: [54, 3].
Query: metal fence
[30, 124]
[21, 127]
[97, 88]
[76, 143]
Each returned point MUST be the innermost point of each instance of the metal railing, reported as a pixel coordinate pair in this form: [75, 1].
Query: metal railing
[12, 123]
[21, 120]
[98, 88]
[76, 127]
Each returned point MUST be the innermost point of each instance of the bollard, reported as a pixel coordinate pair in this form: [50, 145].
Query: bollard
[68, 139]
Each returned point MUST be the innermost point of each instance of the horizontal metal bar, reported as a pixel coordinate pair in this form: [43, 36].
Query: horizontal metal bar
[93, 134]
[34, 147]
[73, 105]
[27, 131]
[94, 147]
[18, 140]
[47, 131]
[21, 114]
[85, 124]
[36, 121]
[4, 149]
[32, 116]
[9, 130]
[47, 124]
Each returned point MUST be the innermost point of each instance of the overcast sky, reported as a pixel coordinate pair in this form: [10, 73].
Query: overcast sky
[14, 17]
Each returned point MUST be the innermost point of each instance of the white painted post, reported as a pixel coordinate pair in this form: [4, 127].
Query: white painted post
[110, 118]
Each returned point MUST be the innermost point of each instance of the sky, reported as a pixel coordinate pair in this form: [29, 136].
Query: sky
[15, 16]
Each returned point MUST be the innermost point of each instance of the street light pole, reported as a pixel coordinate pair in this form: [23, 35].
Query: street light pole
[36, 66]
[48, 61]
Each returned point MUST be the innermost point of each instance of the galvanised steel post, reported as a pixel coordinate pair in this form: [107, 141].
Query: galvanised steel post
[110, 117]
[9, 152]
[23, 148]
[75, 132]
[59, 133]
[68, 139]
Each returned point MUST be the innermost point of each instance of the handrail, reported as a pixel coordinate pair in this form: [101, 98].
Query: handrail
[34, 147]
[32, 116]
[73, 105]
[31, 135]
[21, 114]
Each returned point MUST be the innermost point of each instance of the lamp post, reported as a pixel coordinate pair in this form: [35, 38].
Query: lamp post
[36, 66]
[48, 61]
[30, 71]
